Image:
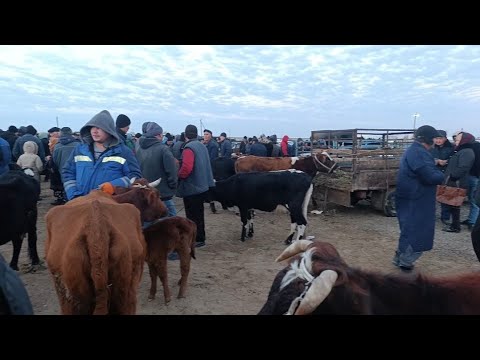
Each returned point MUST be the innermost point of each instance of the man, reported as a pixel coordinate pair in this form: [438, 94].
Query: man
[441, 152]
[225, 146]
[29, 135]
[100, 159]
[195, 178]
[122, 125]
[61, 152]
[157, 161]
[415, 199]
[212, 146]
[10, 135]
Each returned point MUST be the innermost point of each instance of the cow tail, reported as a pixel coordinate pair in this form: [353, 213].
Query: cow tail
[98, 244]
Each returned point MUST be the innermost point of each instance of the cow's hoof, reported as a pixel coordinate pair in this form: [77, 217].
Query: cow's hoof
[288, 241]
[242, 239]
[167, 301]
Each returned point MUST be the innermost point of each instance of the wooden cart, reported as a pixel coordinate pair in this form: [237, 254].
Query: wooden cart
[368, 165]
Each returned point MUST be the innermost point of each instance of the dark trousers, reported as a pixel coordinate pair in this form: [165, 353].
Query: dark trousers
[445, 212]
[195, 211]
[455, 211]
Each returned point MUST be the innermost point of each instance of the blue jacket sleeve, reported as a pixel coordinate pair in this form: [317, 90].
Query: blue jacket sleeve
[423, 164]
[131, 169]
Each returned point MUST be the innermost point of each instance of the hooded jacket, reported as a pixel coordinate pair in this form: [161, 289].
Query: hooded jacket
[117, 164]
[284, 145]
[30, 159]
[459, 165]
[157, 161]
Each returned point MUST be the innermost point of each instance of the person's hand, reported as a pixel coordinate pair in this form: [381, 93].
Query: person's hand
[107, 188]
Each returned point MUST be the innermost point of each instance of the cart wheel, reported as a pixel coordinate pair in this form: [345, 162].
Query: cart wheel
[389, 206]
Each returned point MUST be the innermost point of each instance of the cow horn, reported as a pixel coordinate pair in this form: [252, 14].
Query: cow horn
[155, 183]
[319, 290]
[132, 180]
[295, 248]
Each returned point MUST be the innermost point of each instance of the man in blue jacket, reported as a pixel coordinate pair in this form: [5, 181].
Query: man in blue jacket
[101, 158]
[415, 199]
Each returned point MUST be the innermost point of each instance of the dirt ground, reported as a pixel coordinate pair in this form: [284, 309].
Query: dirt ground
[230, 277]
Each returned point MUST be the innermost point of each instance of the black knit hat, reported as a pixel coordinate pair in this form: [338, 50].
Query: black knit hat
[53, 129]
[12, 128]
[122, 121]
[223, 134]
[66, 131]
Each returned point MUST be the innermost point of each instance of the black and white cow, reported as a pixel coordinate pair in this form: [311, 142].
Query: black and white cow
[19, 194]
[222, 169]
[265, 191]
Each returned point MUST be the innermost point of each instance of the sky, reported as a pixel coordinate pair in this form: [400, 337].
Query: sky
[243, 90]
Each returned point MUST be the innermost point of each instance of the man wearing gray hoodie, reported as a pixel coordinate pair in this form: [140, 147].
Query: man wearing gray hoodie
[156, 161]
[101, 158]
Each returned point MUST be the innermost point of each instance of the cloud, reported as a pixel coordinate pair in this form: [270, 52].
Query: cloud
[291, 88]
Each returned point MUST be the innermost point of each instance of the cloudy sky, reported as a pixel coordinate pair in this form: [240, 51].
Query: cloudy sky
[243, 90]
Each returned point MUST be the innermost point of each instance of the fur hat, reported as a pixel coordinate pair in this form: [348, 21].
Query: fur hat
[122, 121]
[12, 129]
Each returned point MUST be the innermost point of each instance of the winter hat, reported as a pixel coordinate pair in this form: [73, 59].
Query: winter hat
[66, 131]
[442, 133]
[151, 129]
[426, 133]
[122, 121]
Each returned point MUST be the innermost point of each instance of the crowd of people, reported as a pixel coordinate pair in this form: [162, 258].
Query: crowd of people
[430, 161]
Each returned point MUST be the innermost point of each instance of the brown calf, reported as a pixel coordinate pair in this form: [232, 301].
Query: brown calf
[168, 234]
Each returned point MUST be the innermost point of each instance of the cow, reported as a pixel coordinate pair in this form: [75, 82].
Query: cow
[144, 196]
[475, 235]
[319, 162]
[19, 194]
[162, 237]
[97, 264]
[265, 191]
[320, 282]
[222, 168]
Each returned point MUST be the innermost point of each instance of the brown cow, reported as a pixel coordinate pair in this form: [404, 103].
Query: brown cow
[311, 164]
[320, 282]
[145, 197]
[162, 237]
[95, 251]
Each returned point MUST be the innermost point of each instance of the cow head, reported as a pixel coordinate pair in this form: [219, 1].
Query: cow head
[145, 197]
[324, 163]
[315, 269]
